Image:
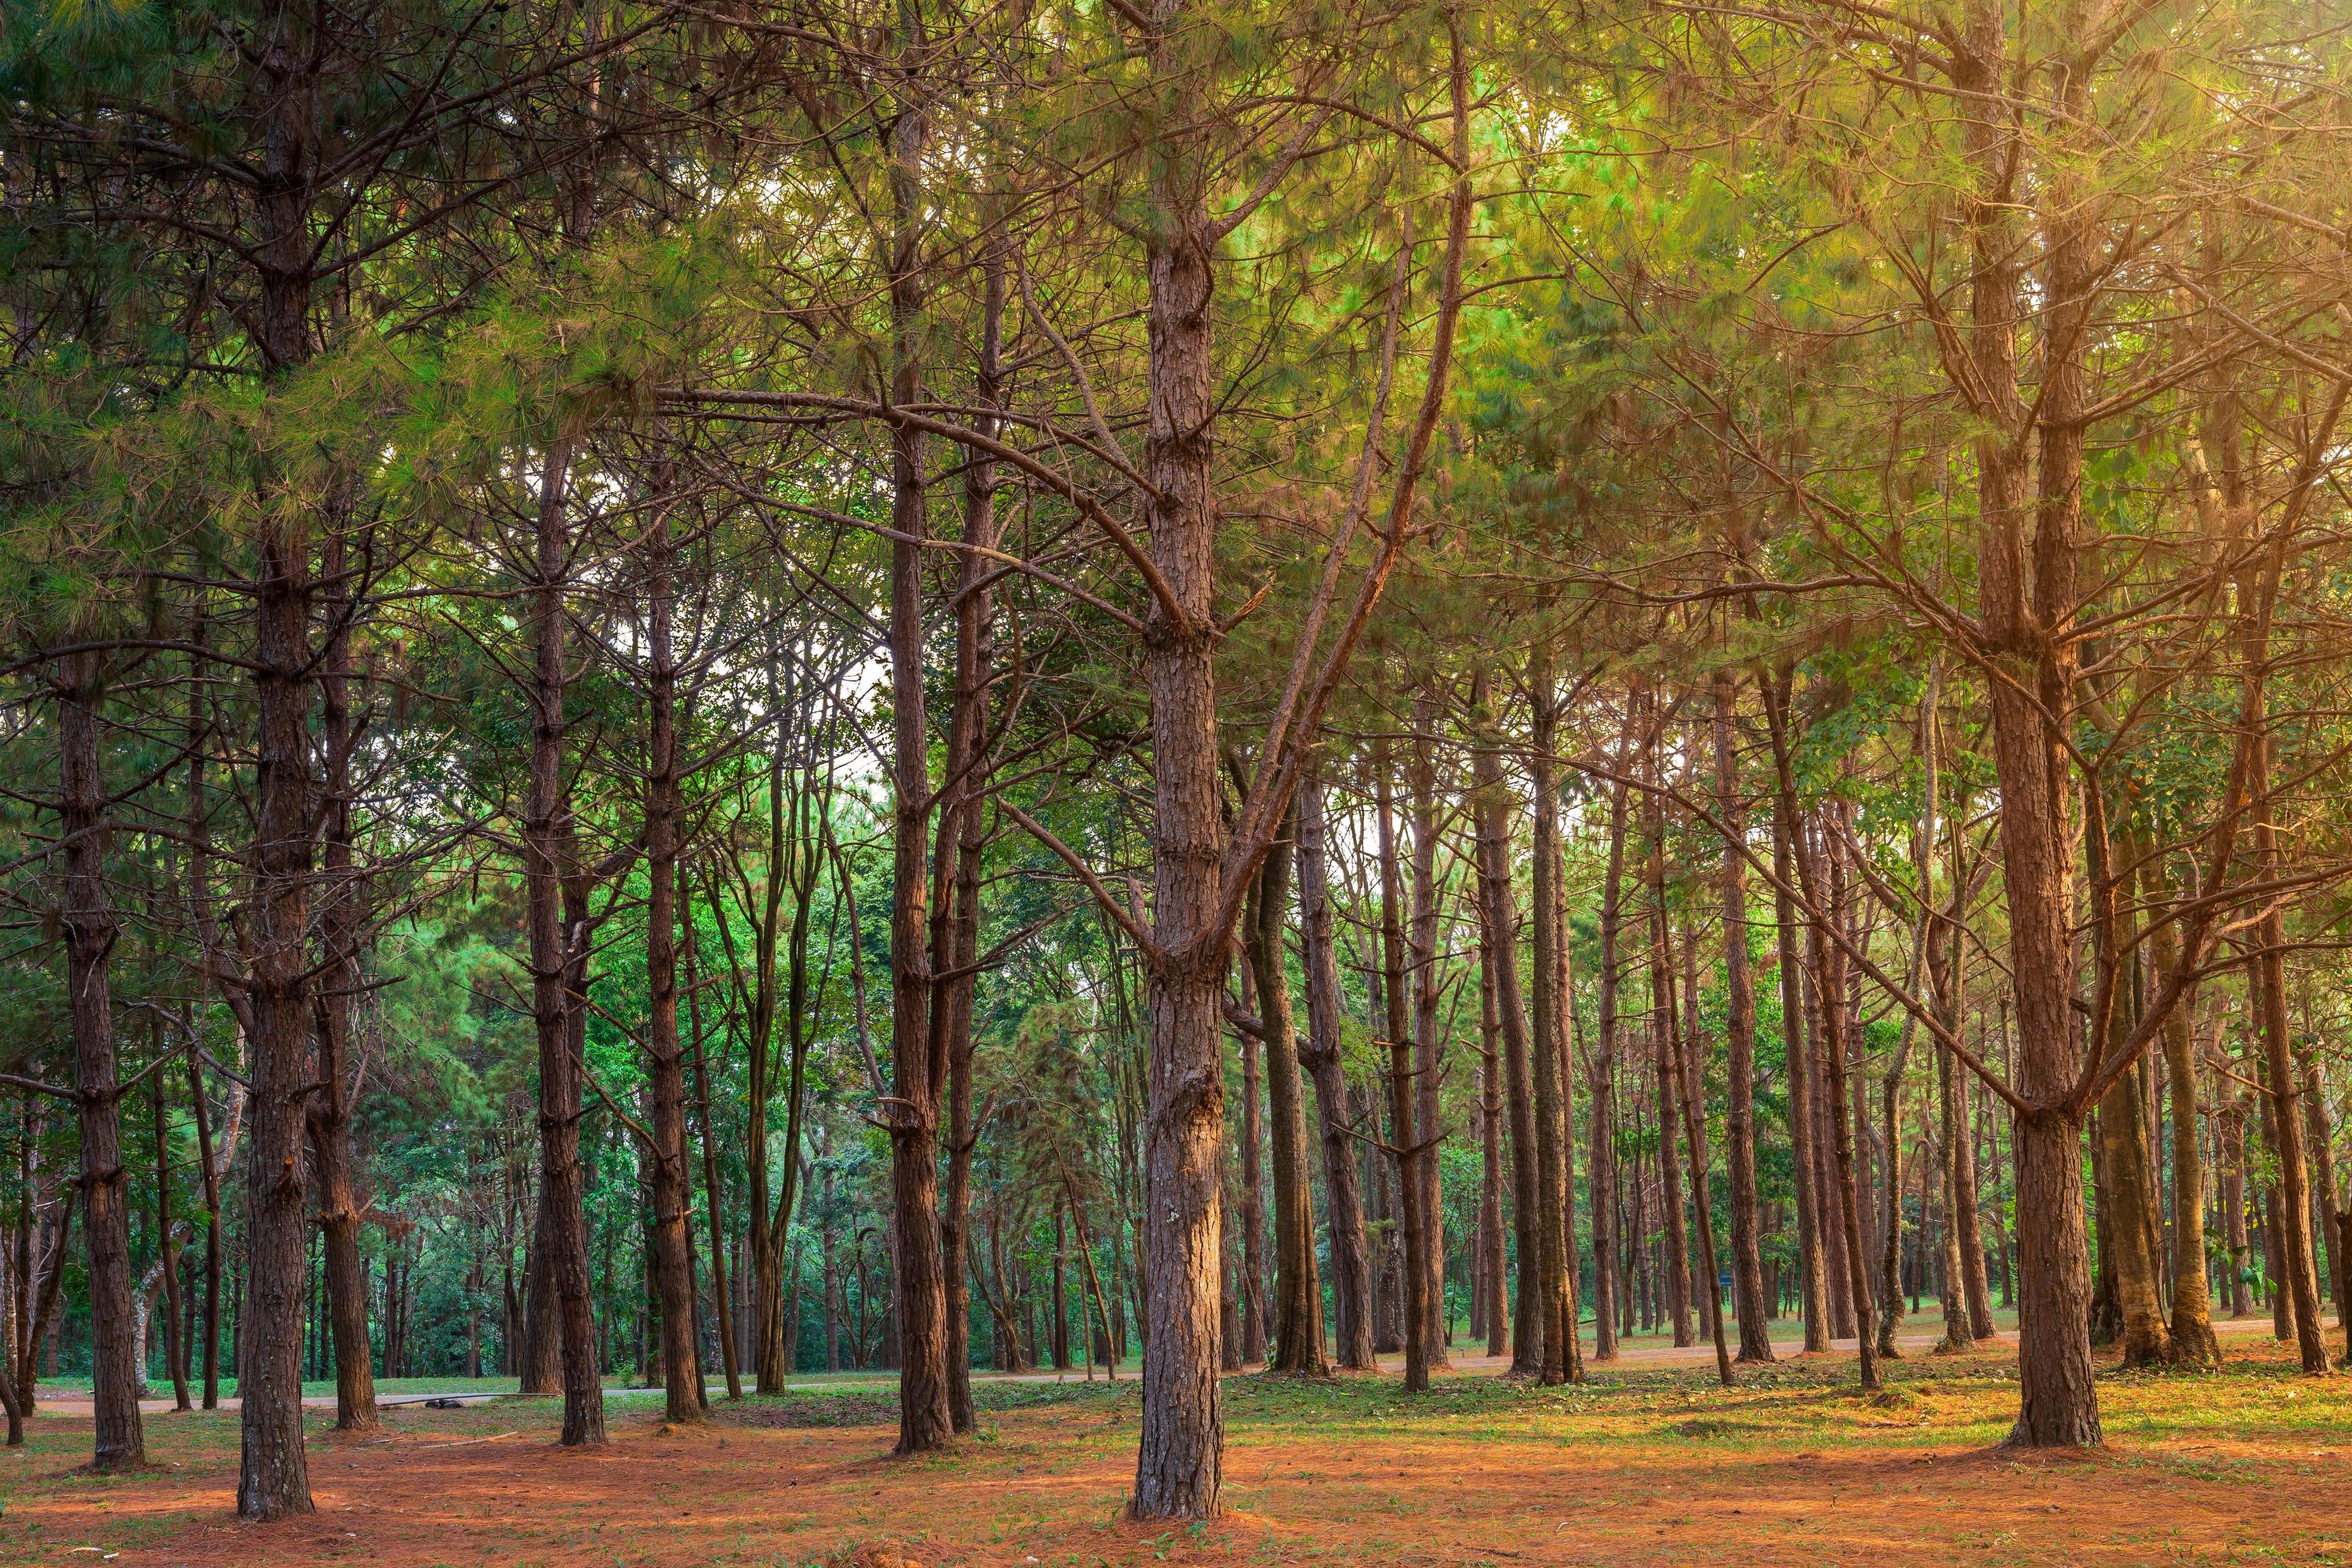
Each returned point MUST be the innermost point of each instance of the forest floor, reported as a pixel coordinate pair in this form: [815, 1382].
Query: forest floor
[1648, 1464]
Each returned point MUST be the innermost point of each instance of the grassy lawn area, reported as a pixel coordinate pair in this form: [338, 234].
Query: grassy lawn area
[1647, 1465]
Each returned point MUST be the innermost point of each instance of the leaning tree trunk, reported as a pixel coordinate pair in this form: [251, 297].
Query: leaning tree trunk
[117, 1376]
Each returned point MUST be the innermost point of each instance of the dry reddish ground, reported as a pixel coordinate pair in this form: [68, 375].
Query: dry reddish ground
[1659, 1468]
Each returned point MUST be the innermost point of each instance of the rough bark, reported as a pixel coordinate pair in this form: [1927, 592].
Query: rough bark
[274, 1475]
[2028, 596]
[1180, 1455]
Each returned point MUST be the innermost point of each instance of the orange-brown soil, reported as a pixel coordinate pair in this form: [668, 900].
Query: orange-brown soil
[1656, 1469]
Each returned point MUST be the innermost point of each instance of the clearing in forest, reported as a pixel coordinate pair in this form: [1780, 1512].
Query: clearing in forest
[1653, 1466]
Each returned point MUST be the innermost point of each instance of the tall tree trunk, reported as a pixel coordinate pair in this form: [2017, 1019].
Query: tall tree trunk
[1493, 1281]
[1607, 1280]
[274, 1477]
[1351, 1271]
[955, 925]
[1812, 1273]
[1422, 774]
[722, 1300]
[1829, 963]
[211, 1174]
[2026, 611]
[1690, 1067]
[664, 823]
[2231, 1127]
[1553, 1212]
[1414, 1223]
[334, 995]
[1179, 1457]
[918, 1068]
[1298, 1295]
[2320, 1134]
[1248, 1348]
[1499, 928]
[2299, 1287]
[2129, 1196]
[559, 944]
[1740, 1040]
[90, 926]
[1663, 1052]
